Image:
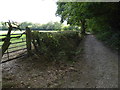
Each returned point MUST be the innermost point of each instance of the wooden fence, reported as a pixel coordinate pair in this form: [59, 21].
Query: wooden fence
[16, 48]
[19, 47]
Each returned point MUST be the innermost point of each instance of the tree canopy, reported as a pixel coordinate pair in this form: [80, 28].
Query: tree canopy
[75, 12]
[101, 18]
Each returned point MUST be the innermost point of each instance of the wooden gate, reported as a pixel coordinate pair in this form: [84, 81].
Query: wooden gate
[16, 48]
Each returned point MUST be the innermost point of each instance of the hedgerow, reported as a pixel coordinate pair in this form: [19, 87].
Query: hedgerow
[57, 45]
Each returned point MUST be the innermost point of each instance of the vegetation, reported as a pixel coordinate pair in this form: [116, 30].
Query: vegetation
[100, 18]
[48, 26]
[55, 46]
[8, 38]
[14, 40]
[51, 45]
[83, 16]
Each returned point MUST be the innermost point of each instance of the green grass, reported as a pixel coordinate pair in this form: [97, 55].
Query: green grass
[23, 38]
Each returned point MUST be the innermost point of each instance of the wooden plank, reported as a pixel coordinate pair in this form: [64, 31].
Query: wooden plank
[21, 56]
[16, 50]
[12, 34]
[3, 35]
[16, 46]
[18, 42]
[19, 39]
[1, 39]
[12, 55]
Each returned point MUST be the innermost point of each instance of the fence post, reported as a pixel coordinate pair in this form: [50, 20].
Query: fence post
[7, 54]
[28, 40]
[0, 54]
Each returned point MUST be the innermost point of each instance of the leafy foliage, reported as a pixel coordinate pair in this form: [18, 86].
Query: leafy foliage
[55, 46]
[98, 17]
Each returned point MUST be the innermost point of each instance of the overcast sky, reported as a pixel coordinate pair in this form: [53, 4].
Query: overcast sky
[36, 11]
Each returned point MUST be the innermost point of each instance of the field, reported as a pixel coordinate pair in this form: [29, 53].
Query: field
[14, 42]
[17, 45]
[23, 38]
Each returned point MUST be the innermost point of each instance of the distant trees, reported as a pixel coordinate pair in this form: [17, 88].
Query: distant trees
[23, 25]
[47, 26]
[69, 27]
[51, 26]
[3, 26]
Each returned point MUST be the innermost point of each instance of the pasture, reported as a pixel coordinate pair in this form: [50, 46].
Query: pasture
[14, 41]
[17, 44]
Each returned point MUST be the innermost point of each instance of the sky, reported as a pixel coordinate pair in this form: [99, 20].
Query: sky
[36, 11]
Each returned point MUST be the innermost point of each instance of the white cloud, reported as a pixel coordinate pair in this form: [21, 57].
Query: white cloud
[40, 11]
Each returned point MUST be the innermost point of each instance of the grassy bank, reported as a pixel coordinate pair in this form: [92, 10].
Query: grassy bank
[110, 38]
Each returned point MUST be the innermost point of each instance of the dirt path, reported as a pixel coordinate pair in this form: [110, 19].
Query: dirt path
[96, 67]
[102, 64]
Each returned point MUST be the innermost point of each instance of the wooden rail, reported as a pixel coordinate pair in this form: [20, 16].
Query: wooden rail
[19, 35]
[11, 34]
[20, 56]
[12, 56]
[18, 42]
[16, 48]
[19, 38]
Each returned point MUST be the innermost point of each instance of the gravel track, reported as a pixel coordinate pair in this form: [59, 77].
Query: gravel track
[104, 63]
[97, 69]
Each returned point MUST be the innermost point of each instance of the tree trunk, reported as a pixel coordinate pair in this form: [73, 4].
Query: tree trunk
[7, 42]
[83, 27]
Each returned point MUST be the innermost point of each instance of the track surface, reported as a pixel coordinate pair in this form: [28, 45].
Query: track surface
[97, 69]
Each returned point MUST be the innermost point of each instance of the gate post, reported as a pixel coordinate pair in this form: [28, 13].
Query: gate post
[28, 40]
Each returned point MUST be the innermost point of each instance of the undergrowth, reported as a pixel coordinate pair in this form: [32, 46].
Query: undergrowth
[109, 38]
[57, 45]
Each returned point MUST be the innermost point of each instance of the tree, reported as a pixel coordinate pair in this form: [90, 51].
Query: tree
[23, 25]
[73, 13]
[100, 17]
[57, 26]
[3, 26]
[77, 13]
